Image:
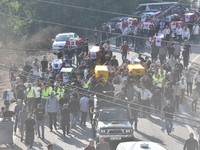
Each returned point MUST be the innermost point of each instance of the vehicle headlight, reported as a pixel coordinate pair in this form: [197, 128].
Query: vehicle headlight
[102, 131]
[55, 46]
[128, 130]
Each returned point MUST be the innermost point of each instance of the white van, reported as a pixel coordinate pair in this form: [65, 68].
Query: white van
[153, 7]
[140, 145]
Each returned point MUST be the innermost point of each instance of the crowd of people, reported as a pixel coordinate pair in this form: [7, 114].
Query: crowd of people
[42, 95]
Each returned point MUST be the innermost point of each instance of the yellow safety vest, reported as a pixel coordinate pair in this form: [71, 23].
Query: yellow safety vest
[159, 82]
[57, 94]
[45, 93]
[85, 85]
[30, 93]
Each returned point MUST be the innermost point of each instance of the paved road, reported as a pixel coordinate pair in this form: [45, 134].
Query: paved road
[149, 129]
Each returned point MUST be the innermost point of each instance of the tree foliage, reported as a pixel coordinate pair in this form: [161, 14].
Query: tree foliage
[12, 28]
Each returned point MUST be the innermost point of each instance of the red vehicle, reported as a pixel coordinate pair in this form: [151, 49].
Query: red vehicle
[159, 39]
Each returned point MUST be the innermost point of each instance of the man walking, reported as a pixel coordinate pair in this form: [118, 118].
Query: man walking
[74, 110]
[29, 128]
[40, 116]
[30, 95]
[191, 143]
[17, 109]
[84, 108]
[52, 108]
[23, 115]
[124, 51]
[65, 118]
[102, 145]
[168, 113]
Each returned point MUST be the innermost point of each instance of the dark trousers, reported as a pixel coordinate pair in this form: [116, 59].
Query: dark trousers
[162, 58]
[83, 118]
[91, 116]
[37, 101]
[154, 57]
[194, 105]
[64, 123]
[182, 95]
[52, 120]
[189, 87]
[7, 103]
[145, 105]
[135, 119]
[118, 41]
[16, 121]
[157, 102]
[29, 139]
[176, 102]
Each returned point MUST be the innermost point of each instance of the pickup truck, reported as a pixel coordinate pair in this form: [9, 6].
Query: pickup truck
[113, 123]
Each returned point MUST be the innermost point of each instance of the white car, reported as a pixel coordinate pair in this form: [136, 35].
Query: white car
[60, 40]
[140, 145]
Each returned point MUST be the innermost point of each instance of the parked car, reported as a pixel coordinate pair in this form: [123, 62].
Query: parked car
[152, 6]
[113, 123]
[140, 145]
[61, 39]
[115, 20]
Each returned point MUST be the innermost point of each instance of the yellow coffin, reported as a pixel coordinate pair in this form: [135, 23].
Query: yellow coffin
[100, 69]
[136, 69]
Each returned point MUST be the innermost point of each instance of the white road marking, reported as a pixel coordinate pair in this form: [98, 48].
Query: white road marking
[193, 60]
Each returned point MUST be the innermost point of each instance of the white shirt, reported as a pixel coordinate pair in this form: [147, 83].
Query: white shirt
[195, 29]
[37, 93]
[166, 31]
[84, 104]
[26, 84]
[37, 73]
[109, 26]
[183, 85]
[106, 46]
[179, 31]
[9, 95]
[197, 76]
[125, 31]
[85, 73]
[145, 94]
[118, 88]
[186, 34]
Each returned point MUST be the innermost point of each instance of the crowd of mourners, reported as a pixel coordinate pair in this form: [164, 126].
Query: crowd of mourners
[39, 89]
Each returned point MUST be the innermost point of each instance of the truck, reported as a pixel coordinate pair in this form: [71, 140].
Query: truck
[113, 123]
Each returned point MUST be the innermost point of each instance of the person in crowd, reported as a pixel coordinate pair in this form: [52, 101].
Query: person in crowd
[74, 111]
[30, 97]
[191, 143]
[118, 35]
[96, 35]
[7, 97]
[17, 109]
[179, 32]
[189, 79]
[186, 34]
[65, 118]
[104, 32]
[134, 108]
[40, 119]
[195, 96]
[84, 103]
[146, 96]
[44, 64]
[124, 50]
[195, 33]
[29, 128]
[177, 95]
[23, 115]
[50, 146]
[52, 109]
[168, 114]
[90, 146]
[157, 96]
[102, 145]
[183, 85]
[20, 91]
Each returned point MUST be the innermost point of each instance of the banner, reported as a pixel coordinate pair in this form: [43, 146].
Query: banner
[158, 41]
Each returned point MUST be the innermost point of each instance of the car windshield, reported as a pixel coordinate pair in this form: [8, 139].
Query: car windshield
[114, 115]
[63, 37]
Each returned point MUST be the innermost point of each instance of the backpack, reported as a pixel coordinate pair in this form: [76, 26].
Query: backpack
[5, 94]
